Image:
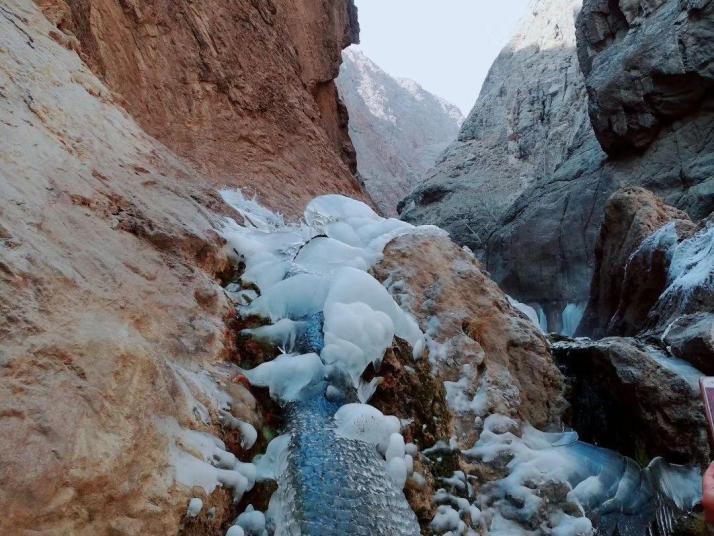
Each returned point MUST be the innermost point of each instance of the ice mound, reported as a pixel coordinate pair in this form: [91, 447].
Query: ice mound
[365, 423]
[355, 336]
[320, 266]
[289, 377]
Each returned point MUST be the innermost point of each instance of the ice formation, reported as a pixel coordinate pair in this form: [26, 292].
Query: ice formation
[341, 464]
[572, 315]
[691, 267]
[604, 484]
[332, 320]
[195, 506]
[201, 460]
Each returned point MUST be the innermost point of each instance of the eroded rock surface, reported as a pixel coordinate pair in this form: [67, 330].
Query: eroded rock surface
[481, 341]
[635, 399]
[243, 90]
[522, 126]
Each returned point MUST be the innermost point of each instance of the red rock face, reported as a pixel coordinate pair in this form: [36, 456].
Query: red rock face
[242, 89]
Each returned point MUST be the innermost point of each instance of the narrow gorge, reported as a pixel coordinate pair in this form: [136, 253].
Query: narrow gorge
[253, 284]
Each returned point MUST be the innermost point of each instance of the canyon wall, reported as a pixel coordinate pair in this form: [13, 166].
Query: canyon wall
[118, 120]
[243, 90]
[530, 112]
[398, 128]
[537, 237]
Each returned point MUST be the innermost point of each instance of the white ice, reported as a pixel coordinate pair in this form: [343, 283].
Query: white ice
[288, 376]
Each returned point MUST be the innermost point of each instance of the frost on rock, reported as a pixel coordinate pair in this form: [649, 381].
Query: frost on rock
[691, 267]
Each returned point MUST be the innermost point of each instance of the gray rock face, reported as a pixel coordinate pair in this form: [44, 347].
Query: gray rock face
[532, 211]
[398, 129]
[646, 63]
[530, 112]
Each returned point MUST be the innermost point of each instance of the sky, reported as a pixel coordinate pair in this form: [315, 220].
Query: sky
[447, 46]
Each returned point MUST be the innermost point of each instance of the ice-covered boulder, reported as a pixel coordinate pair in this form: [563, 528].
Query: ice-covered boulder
[631, 215]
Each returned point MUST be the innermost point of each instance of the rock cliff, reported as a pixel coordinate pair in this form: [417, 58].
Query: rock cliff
[526, 118]
[537, 236]
[114, 325]
[398, 129]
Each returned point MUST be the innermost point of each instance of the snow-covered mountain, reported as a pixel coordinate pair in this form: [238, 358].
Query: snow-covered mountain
[398, 128]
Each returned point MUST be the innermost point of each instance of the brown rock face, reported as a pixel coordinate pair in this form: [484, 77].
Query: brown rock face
[109, 253]
[242, 89]
[635, 399]
[631, 215]
[483, 341]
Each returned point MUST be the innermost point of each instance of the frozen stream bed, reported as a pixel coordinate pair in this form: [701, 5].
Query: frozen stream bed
[341, 465]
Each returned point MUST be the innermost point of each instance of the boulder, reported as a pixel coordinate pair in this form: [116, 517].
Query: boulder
[635, 399]
[481, 343]
[691, 337]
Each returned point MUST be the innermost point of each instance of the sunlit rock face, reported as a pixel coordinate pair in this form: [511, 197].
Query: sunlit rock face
[111, 313]
[200, 79]
[530, 108]
[398, 128]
